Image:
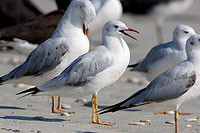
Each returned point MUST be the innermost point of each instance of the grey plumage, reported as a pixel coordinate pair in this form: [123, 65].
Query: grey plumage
[169, 85]
[164, 56]
[81, 70]
[42, 59]
[157, 52]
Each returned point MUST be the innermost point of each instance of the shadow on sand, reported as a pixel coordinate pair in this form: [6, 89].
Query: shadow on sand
[11, 107]
[28, 118]
[85, 132]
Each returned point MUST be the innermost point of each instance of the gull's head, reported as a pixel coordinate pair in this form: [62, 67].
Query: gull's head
[85, 10]
[183, 32]
[117, 29]
[193, 45]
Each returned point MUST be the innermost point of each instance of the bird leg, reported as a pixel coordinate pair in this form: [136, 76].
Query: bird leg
[180, 113]
[53, 105]
[93, 112]
[176, 121]
[97, 121]
[58, 109]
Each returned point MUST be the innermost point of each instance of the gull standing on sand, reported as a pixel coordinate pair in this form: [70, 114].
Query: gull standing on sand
[164, 56]
[170, 89]
[92, 71]
[51, 57]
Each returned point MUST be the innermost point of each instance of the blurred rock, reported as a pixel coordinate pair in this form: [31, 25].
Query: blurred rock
[133, 80]
[66, 106]
[137, 123]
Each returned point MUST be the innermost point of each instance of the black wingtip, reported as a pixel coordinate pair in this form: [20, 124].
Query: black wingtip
[112, 108]
[133, 65]
[30, 91]
[1, 80]
[120, 105]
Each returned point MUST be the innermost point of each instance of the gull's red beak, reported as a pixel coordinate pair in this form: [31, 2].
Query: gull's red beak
[85, 30]
[129, 29]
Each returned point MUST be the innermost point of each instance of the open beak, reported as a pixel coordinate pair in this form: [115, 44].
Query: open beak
[129, 29]
[85, 30]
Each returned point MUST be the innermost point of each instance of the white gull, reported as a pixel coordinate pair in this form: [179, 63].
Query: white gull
[170, 89]
[51, 57]
[92, 71]
[164, 56]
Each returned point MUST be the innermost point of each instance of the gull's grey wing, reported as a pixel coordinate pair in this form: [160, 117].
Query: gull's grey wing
[82, 70]
[42, 59]
[155, 54]
[169, 85]
[164, 88]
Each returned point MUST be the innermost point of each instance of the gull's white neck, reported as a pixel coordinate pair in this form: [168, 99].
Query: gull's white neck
[119, 49]
[69, 24]
[180, 43]
[194, 56]
[115, 43]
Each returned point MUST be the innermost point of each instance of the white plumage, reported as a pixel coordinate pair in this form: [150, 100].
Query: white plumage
[51, 57]
[171, 88]
[92, 71]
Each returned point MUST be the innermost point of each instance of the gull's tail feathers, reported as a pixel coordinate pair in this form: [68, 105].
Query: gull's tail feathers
[30, 91]
[133, 67]
[130, 102]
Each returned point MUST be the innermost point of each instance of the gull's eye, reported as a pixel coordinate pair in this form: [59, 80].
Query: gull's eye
[116, 26]
[199, 40]
[186, 32]
[191, 43]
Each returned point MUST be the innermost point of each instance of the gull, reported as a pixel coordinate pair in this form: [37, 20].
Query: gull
[164, 56]
[92, 71]
[157, 10]
[170, 89]
[51, 57]
[105, 10]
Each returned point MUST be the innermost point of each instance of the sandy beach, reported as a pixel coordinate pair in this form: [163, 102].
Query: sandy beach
[33, 114]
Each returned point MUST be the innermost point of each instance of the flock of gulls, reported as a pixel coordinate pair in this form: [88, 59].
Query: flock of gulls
[64, 65]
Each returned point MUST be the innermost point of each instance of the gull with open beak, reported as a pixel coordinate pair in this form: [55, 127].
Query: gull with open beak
[92, 71]
[170, 89]
[51, 57]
